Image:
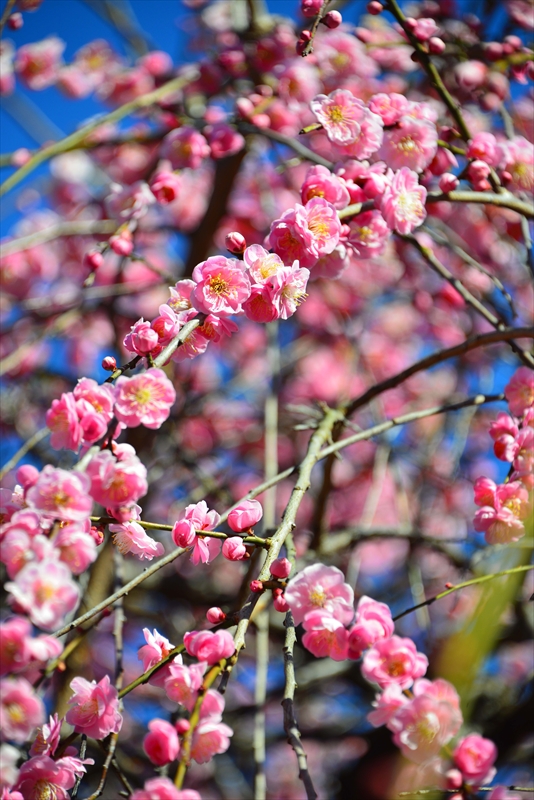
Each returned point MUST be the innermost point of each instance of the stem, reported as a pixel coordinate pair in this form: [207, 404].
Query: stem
[28, 445]
[6, 13]
[316, 22]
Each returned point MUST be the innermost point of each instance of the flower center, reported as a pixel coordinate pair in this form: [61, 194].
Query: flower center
[42, 790]
[218, 285]
[16, 713]
[407, 144]
[44, 592]
[142, 396]
[514, 504]
[318, 596]
[395, 668]
[335, 113]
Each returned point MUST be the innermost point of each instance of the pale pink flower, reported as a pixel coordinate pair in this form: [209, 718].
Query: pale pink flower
[94, 708]
[131, 537]
[261, 264]
[413, 143]
[470, 74]
[324, 225]
[7, 74]
[24, 521]
[320, 182]
[185, 147]
[223, 140]
[47, 737]
[101, 397]
[484, 146]
[373, 622]
[62, 419]
[245, 515]
[180, 299]
[129, 202]
[59, 494]
[288, 289]
[369, 234]
[504, 509]
[117, 482]
[164, 789]
[403, 202]
[518, 164]
[45, 592]
[21, 709]
[161, 743]
[340, 114]
[221, 286]
[9, 772]
[142, 339]
[146, 399]
[474, 757]
[210, 738]
[367, 141]
[320, 587]
[386, 705]
[233, 548]
[325, 635]
[182, 683]
[390, 107]
[38, 64]
[76, 546]
[394, 660]
[520, 391]
[291, 239]
[42, 777]
[209, 646]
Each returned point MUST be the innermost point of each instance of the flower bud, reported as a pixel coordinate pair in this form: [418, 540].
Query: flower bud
[281, 568]
[256, 587]
[374, 8]
[310, 8]
[305, 37]
[245, 516]
[233, 548]
[279, 602]
[109, 363]
[215, 615]
[15, 21]
[165, 186]
[20, 157]
[27, 475]
[182, 726]
[235, 242]
[332, 19]
[448, 182]
[122, 243]
[436, 46]
[93, 260]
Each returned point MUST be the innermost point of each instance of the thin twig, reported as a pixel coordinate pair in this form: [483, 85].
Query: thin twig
[6, 13]
[28, 445]
[289, 141]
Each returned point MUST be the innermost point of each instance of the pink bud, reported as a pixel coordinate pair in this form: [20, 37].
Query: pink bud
[332, 19]
[161, 744]
[374, 8]
[280, 603]
[109, 363]
[256, 587]
[183, 533]
[15, 21]
[281, 568]
[448, 182]
[478, 170]
[410, 23]
[27, 475]
[182, 726]
[97, 534]
[20, 157]
[305, 37]
[93, 259]
[122, 243]
[310, 8]
[514, 41]
[165, 186]
[245, 516]
[436, 45]
[493, 51]
[235, 242]
[215, 615]
[233, 548]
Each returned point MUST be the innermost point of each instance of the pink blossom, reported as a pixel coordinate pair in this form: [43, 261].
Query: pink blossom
[502, 793]
[310, 8]
[504, 509]
[47, 737]
[161, 743]
[320, 587]
[373, 623]
[413, 143]
[59, 494]
[214, 328]
[166, 325]
[215, 615]
[520, 391]
[94, 708]
[209, 646]
[117, 482]
[27, 475]
[131, 537]
[223, 140]
[261, 264]
[180, 299]
[484, 146]
[320, 182]
[245, 515]
[185, 147]
[210, 738]
[260, 306]
[221, 286]
[15, 636]
[403, 202]
[27, 522]
[129, 202]
[368, 140]
[62, 419]
[369, 234]
[164, 789]
[7, 75]
[474, 757]
[183, 683]
[325, 635]
[470, 74]
[45, 591]
[156, 648]
[389, 107]
[38, 64]
[100, 397]
[233, 548]
[76, 547]
[145, 399]
[428, 721]
[165, 186]
[21, 709]
[340, 114]
[386, 705]
[42, 777]
[393, 660]
[142, 339]
[288, 289]
[281, 568]
[197, 518]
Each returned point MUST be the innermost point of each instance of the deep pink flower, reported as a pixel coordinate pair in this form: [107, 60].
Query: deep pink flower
[156, 648]
[182, 683]
[474, 757]
[161, 743]
[131, 537]
[185, 147]
[319, 587]
[165, 186]
[281, 568]
[323, 222]
[142, 339]
[116, 483]
[394, 660]
[164, 789]
[233, 548]
[520, 391]
[403, 202]
[15, 634]
[47, 737]
[42, 777]
[59, 494]
[197, 518]
[101, 397]
[245, 515]
[221, 286]
[21, 709]
[94, 708]
[211, 737]
[62, 419]
[260, 306]
[369, 234]
[325, 635]
[373, 623]
[484, 146]
[145, 399]
[209, 646]
[45, 591]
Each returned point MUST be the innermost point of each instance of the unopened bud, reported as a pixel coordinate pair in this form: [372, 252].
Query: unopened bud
[303, 41]
[122, 243]
[182, 726]
[374, 8]
[15, 21]
[281, 568]
[436, 46]
[448, 182]
[332, 19]
[310, 8]
[280, 603]
[235, 242]
[93, 260]
[109, 363]
[256, 587]
[215, 615]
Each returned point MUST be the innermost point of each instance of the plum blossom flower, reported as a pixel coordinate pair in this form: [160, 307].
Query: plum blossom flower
[325, 635]
[164, 789]
[94, 708]
[210, 738]
[156, 648]
[413, 143]
[38, 64]
[390, 107]
[182, 683]
[373, 622]
[184, 147]
[145, 399]
[474, 756]
[504, 509]
[41, 776]
[131, 537]
[386, 705]
[340, 114]
[221, 286]
[161, 743]
[21, 709]
[393, 660]
[518, 163]
[261, 264]
[45, 592]
[77, 548]
[197, 518]
[209, 646]
[287, 289]
[233, 548]
[47, 737]
[403, 202]
[320, 182]
[117, 481]
[59, 494]
[368, 234]
[223, 140]
[129, 202]
[319, 587]
[142, 338]
[520, 391]
[62, 419]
